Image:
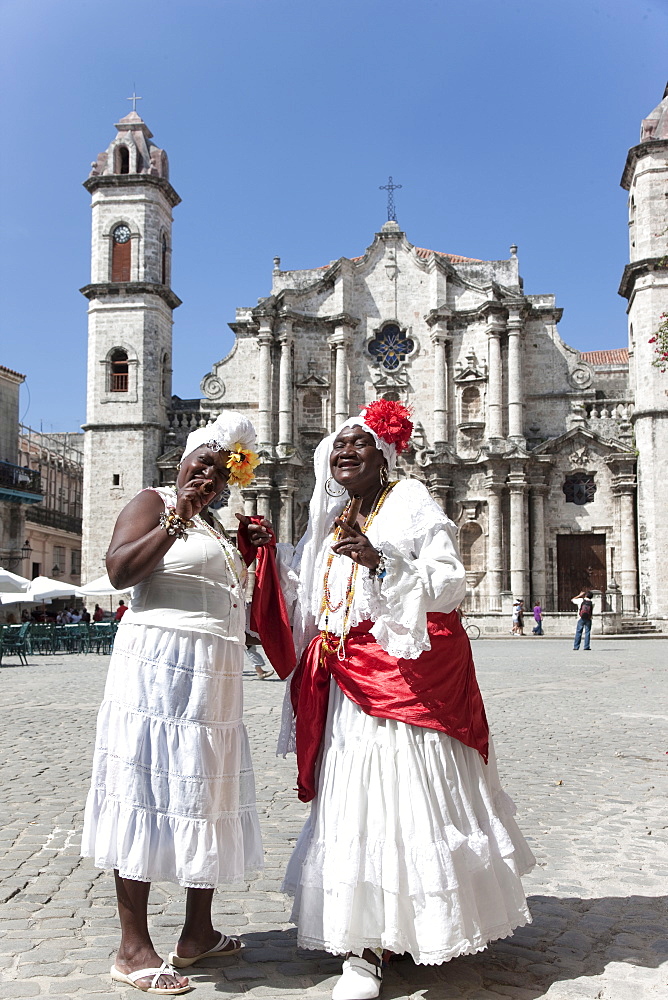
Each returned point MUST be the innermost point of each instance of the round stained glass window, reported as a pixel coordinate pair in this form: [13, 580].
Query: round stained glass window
[390, 347]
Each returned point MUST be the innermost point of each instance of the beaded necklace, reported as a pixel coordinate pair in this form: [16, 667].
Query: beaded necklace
[329, 643]
[225, 542]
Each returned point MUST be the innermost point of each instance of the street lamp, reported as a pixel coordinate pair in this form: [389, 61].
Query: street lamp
[25, 553]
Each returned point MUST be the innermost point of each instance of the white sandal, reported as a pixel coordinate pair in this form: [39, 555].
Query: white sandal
[220, 949]
[360, 980]
[131, 979]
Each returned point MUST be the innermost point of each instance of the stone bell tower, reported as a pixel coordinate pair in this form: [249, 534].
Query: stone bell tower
[129, 329]
[645, 285]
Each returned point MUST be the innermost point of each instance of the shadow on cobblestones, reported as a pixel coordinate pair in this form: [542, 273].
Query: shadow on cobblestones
[582, 749]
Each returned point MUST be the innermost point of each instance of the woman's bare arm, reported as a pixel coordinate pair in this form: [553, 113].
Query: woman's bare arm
[138, 542]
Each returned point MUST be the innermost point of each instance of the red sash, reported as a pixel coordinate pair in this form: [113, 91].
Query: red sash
[438, 690]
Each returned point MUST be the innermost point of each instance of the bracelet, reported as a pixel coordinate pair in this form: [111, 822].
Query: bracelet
[173, 523]
[379, 572]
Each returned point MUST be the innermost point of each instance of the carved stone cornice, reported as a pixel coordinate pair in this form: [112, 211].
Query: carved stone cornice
[109, 289]
[636, 153]
[132, 180]
[636, 270]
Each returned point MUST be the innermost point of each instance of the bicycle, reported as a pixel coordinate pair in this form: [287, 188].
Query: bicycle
[472, 629]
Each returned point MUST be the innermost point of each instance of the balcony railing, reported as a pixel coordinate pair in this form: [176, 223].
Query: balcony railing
[54, 519]
[19, 485]
[119, 382]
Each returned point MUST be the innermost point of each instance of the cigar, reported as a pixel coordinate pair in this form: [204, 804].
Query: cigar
[204, 488]
[355, 506]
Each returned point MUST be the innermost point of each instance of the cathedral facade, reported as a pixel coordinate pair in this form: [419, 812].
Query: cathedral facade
[533, 448]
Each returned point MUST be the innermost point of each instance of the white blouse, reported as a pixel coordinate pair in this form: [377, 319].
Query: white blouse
[423, 573]
[198, 585]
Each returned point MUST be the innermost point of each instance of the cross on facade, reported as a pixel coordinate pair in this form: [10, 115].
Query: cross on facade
[134, 100]
[390, 188]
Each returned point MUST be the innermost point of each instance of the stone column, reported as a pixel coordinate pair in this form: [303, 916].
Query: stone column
[624, 485]
[287, 515]
[495, 327]
[628, 574]
[263, 494]
[338, 341]
[440, 340]
[286, 492]
[494, 541]
[519, 576]
[538, 492]
[285, 397]
[265, 340]
[515, 389]
[250, 502]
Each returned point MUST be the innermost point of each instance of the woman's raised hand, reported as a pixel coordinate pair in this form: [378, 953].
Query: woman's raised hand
[258, 534]
[194, 496]
[355, 544]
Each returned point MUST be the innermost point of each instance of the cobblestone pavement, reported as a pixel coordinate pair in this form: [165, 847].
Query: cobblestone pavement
[582, 743]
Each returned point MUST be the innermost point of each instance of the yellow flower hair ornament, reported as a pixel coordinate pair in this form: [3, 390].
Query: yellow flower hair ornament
[242, 463]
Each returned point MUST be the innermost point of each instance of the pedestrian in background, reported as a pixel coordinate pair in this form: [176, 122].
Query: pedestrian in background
[585, 607]
[538, 618]
[120, 610]
[256, 658]
[518, 617]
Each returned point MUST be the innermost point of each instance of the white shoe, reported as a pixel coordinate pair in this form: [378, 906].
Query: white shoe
[361, 980]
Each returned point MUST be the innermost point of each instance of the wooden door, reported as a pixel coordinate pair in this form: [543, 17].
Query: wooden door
[580, 566]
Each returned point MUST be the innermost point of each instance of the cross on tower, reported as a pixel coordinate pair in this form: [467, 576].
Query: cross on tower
[390, 188]
[134, 100]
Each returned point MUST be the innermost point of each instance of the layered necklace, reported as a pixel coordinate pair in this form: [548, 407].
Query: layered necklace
[225, 542]
[332, 643]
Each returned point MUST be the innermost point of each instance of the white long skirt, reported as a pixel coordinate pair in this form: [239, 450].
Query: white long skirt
[173, 793]
[411, 844]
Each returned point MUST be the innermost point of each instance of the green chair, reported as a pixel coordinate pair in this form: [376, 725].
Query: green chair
[42, 639]
[15, 641]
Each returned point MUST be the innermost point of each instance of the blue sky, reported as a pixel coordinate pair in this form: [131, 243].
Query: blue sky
[504, 122]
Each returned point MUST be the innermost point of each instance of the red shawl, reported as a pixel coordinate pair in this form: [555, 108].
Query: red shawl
[438, 690]
[269, 616]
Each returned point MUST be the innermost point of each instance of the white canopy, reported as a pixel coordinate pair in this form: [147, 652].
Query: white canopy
[10, 583]
[42, 588]
[99, 588]
[19, 599]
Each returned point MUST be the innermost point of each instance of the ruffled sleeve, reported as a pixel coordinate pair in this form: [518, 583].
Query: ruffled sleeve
[428, 578]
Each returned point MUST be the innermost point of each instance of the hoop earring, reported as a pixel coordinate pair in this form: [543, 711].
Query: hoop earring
[384, 476]
[178, 466]
[329, 492]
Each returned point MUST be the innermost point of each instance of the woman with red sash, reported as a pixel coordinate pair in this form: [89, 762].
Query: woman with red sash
[410, 846]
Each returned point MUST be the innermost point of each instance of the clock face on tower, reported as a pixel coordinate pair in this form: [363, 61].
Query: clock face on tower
[121, 234]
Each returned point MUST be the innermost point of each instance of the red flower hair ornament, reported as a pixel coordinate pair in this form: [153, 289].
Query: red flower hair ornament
[390, 421]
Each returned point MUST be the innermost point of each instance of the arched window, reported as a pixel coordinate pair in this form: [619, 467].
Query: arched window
[118, 373]
[394, 397]
[121, 253]
[390, 347]
[470, 404]
[163, 260]
[122, 160]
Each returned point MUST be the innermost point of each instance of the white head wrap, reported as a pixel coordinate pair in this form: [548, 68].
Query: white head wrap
[323, 508]
[228, 429]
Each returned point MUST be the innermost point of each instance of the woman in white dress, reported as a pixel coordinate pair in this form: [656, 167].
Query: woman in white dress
[410, 846]
[172, 795]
